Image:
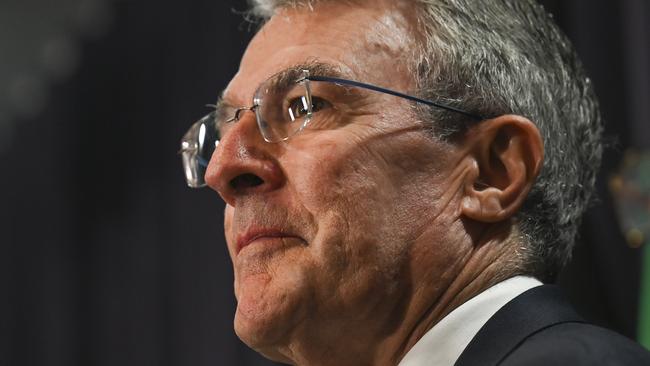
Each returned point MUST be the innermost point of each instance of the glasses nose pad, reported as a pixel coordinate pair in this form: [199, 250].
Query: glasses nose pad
[197, 146]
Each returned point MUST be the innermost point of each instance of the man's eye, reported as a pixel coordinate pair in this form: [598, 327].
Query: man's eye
[318, 104]
[298, 107]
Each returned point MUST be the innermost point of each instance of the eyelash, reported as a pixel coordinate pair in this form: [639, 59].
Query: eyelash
[296, 106]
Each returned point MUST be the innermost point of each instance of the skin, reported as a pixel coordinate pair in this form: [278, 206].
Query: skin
[384, 230]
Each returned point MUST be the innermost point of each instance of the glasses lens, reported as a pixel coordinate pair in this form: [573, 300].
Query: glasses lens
[197, 147]
[283, 109]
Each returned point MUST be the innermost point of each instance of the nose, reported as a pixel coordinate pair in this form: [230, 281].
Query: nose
[243, 163]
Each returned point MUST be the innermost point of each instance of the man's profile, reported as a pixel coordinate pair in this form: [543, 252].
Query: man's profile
[400, 178]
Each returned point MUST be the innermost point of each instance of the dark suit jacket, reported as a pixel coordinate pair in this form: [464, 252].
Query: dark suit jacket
[540, 327]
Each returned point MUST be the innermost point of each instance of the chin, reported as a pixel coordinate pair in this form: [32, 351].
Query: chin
[258, 332]
[265, 317]
[265, 333]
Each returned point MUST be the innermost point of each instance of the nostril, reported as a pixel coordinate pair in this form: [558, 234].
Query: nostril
[245, 181]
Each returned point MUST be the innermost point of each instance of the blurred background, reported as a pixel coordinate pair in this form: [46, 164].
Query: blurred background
[106, 258]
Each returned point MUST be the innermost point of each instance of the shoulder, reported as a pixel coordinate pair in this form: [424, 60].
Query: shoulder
[540, 328]
[575, 343]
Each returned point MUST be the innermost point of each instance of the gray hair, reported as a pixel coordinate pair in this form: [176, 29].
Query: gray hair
[508, 56]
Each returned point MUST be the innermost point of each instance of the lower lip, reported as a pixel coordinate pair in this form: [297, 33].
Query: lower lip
[266, 243]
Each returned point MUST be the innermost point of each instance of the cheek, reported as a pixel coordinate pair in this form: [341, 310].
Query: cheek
[365, 190]
[349, 198]
[370, 201]
[331, 174]
[378, 189]
[349, 202]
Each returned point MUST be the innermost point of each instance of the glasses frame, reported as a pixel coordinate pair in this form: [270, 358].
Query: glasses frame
[192, 140]
[379, 89]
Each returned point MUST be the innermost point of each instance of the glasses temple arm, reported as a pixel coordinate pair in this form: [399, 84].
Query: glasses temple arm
[394, 93]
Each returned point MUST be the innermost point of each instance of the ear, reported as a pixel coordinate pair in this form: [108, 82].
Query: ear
[508, 153]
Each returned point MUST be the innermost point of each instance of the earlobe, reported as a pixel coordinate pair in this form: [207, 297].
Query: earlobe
[508, 154]
[484, 206]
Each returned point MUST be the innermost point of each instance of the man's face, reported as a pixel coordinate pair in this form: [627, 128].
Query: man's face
[342, 226]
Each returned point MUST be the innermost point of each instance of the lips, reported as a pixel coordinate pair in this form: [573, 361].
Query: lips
[252, 235]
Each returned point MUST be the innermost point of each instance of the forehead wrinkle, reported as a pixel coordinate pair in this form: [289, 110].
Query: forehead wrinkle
[388, 34]
[391, 34]
[390, 37]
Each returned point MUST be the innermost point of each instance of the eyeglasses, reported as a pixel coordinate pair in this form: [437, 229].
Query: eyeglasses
[283, 106]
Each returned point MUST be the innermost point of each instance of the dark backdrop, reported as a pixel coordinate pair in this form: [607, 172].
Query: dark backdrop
[106, 258]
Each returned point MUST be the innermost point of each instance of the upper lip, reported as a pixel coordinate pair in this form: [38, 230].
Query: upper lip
[255, 233]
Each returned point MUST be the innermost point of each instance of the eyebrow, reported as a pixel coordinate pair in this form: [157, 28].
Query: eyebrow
[315, 69]
[286, 77]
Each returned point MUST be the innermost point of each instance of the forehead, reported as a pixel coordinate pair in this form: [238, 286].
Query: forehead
[366, 42]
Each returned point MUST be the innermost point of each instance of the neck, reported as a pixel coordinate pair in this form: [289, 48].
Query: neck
[484, 266]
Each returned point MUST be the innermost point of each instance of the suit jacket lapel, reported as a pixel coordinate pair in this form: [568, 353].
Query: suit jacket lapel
[530, 312]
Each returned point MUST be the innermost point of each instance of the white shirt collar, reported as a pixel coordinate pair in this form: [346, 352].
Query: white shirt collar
[443, 344]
